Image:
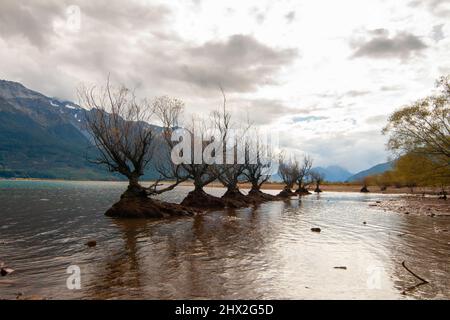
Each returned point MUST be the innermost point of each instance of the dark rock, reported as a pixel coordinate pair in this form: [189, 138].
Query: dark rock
[316, 229]
[342, 268]
[364, 189]
[4, 271]
[406, 212]
[91, 243]
[143, 207]
[364, 222]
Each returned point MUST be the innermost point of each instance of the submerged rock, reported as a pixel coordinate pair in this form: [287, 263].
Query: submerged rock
[143, 207]
[4, 270]
[91, 243]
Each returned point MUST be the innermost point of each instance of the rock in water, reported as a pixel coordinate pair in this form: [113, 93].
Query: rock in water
[364, 189]
[316, 229]
[5, 271]
[91, 243]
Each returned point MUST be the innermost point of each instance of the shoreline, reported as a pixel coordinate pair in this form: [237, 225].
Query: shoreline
[330, 187]
[417, 205]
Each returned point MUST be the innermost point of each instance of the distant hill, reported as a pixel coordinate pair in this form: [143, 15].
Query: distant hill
[330, 173]
[42, 137]
[334, 173]
[379, 168]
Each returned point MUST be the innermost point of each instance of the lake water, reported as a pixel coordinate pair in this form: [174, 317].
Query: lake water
[268, 252]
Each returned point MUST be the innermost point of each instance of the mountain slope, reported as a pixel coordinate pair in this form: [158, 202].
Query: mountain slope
[334, 173]
[379, 168]
[42, 137]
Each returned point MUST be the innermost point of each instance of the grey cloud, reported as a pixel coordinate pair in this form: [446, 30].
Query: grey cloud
[241, 63]
[402, 45]
[376, 120]
[379, 32]
[439, 8]
[131, 16]
[30, 20]
[437, 33]
[335, 150]
[158, 57]
[391, 88]
[356, 93]
[34, 20]
[263, 111]
[259, 14]
[290, 16]
[308, 118]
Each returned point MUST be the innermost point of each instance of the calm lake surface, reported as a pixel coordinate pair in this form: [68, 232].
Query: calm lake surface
[268, 252]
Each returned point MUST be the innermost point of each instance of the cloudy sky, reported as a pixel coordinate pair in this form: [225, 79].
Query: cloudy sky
[325, 74]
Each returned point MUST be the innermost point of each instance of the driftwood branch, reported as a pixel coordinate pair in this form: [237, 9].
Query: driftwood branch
[422, 280]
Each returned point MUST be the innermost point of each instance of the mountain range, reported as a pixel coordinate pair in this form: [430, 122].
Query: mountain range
[377, 169]
[43, 137]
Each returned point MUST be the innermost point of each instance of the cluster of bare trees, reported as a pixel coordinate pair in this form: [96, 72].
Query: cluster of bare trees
[120, 127]
[295, 172]
[128, 144]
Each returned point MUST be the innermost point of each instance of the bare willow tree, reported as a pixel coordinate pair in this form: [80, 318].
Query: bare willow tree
[231, 172]
[303, 179]
[168, 111]
[120, 128]
[200, 172]
[289, 171]
[259, 162]
[317, 179]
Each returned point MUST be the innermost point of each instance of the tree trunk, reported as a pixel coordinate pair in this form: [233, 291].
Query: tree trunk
[302, 190]
[134, 188]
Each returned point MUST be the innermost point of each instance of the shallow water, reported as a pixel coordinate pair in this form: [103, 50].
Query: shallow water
[255, 253]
